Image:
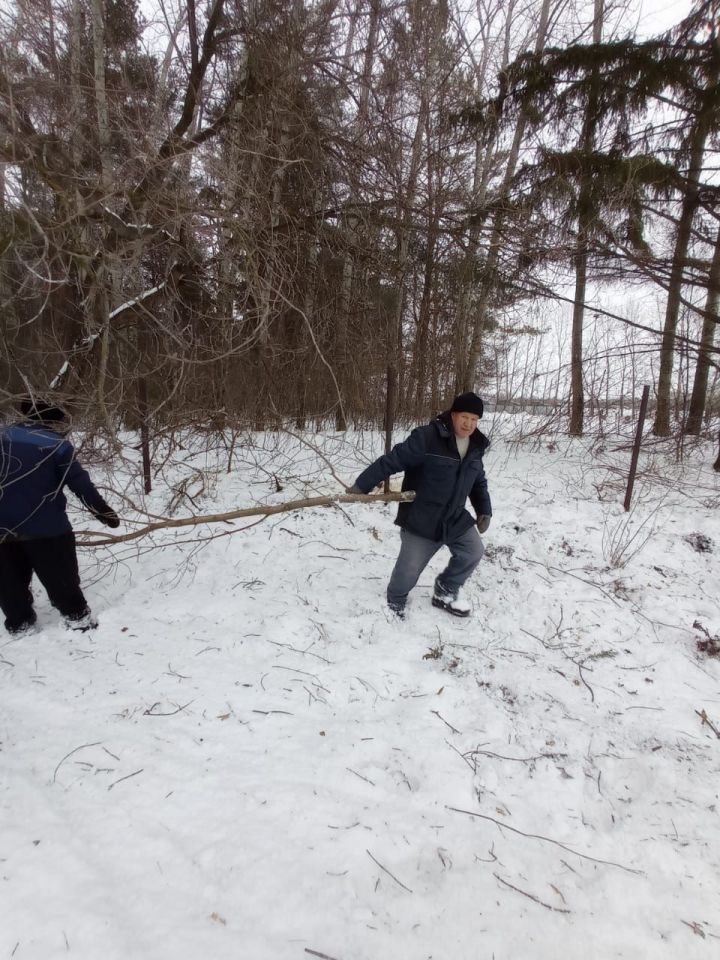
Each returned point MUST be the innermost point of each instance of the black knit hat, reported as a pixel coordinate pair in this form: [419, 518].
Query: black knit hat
[467, 403]
[41, 411]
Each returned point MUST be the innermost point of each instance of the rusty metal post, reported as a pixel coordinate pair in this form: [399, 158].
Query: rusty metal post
[636, 446]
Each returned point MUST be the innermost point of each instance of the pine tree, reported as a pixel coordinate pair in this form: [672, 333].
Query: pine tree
[594, 193]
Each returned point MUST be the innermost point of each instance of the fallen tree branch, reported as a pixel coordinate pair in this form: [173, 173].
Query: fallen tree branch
[103, 539]
[538, 836]
[531, 896]
[398, 882]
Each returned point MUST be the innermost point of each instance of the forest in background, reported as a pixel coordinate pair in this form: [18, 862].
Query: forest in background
[254, 211]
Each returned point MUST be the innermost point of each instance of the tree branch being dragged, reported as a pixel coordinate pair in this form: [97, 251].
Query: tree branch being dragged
[94, 538]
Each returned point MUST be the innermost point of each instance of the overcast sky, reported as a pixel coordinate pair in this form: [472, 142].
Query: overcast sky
[658, 15]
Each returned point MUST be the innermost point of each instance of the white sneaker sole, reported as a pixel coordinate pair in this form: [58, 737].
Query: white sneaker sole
[447, 605]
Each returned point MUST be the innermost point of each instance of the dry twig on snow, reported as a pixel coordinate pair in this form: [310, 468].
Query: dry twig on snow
[96, 743]
[708, 722]
[539, 836]
[392, 875]
[531, 896]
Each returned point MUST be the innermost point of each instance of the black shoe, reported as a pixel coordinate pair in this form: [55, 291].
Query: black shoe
[24, 629]
[457, 606]
[397, 611]
[82, 624]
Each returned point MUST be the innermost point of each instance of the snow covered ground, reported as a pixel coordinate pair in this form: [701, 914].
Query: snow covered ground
[250, 759]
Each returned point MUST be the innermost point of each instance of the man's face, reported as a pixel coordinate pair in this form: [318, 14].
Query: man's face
[464, 423]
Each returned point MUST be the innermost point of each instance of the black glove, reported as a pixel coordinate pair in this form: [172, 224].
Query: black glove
[353, 489]
[107, 516]
[483, 522]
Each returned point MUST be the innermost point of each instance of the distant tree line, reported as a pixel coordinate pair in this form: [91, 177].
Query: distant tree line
[254, 210]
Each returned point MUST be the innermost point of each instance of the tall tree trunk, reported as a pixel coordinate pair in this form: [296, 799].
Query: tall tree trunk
[585, 219]
[103, 279]
[702, 368]
[577, 396]
[405, 209]
[351, 221]
[690, 203]
[75, 41]
[304, 378]
[423, 326]
[426, 300]
[101, 102]
[10, 382]
[369, 60]
[467, 362]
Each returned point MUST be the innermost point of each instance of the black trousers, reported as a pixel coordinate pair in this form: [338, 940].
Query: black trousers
[54, 561]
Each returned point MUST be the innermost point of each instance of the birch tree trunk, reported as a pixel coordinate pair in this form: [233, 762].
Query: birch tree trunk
[468, 363]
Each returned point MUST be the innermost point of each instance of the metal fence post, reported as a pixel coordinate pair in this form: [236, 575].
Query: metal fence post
[636, 446]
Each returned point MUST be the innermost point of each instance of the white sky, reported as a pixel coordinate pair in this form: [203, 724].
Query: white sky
[658, 15]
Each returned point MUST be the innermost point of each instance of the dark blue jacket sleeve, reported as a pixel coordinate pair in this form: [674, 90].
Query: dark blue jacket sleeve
[403, 456]
[73, 475]
[479, 495]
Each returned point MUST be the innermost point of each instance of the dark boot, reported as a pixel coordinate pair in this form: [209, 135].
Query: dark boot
[453, 602]
[83, 623]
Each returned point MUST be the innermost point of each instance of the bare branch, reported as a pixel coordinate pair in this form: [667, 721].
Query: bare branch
[98, 539]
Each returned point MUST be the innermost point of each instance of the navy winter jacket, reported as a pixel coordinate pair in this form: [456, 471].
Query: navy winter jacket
[35, 464]
[441, 480]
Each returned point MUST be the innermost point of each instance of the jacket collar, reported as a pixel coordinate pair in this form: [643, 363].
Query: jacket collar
[37, 426]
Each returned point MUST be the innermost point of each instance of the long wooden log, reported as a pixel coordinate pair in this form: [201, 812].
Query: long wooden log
[96, 538]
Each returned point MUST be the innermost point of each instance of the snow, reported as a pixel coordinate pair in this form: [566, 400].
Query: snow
[140, 227]
[135, 301]
[59, 375]
[250, 758]
[91, 338]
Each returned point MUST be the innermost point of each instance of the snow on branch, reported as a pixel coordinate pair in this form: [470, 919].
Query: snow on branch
[59, 375]
[136, 300]
[133, 230]
[91, 338]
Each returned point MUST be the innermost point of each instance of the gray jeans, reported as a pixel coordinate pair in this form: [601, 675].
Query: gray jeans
[415, 554]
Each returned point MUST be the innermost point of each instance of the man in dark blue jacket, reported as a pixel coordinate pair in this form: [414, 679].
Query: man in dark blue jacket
[443, 464]
[36, 463]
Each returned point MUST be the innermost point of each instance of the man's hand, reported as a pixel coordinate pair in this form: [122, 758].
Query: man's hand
[108, 517]
[483, 522]
[353, 489]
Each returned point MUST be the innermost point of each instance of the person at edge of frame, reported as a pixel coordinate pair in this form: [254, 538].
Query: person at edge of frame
[36, 463]
[443, 463]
